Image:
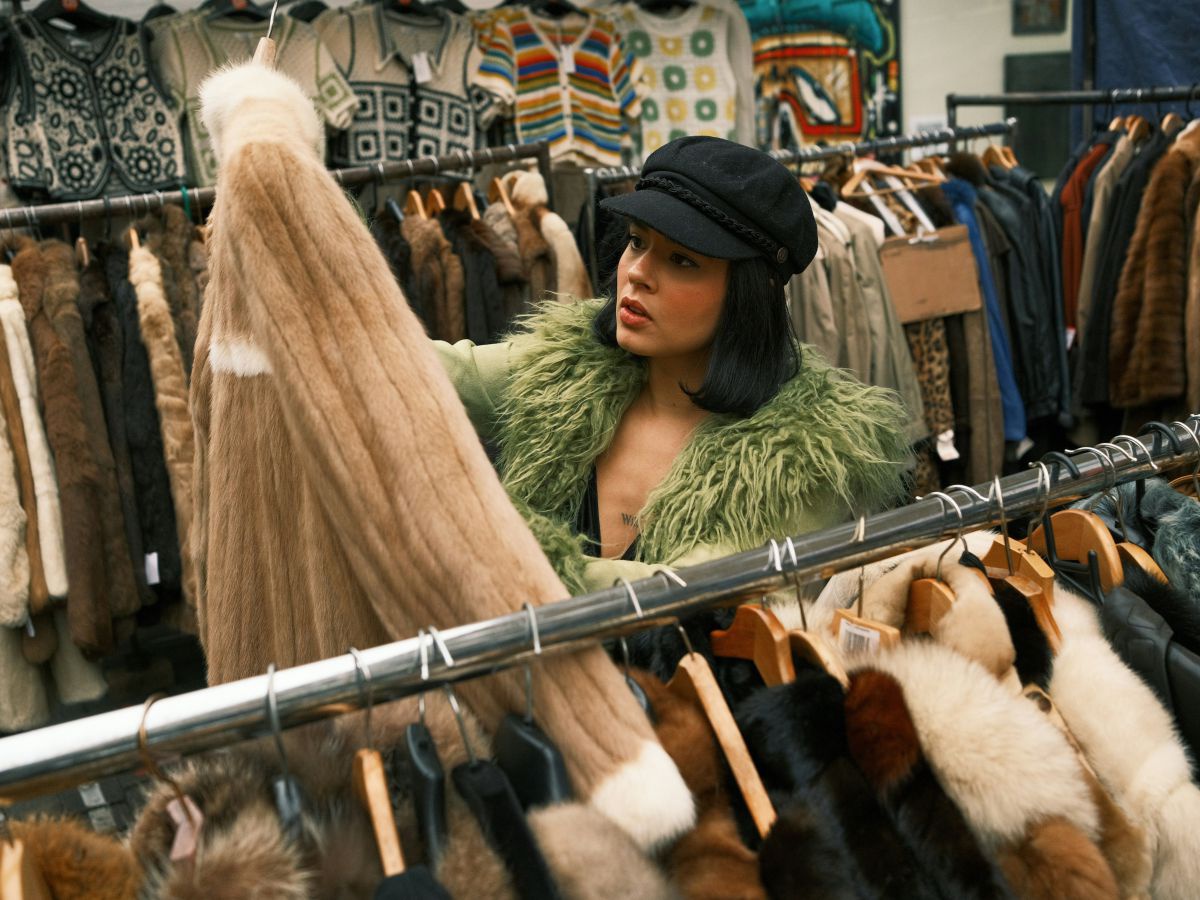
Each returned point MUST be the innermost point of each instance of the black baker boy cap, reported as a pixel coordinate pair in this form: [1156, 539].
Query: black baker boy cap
[724, 200]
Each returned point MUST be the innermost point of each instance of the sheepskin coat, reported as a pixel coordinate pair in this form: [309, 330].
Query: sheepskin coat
[589, 857]
[568, 276]
[338, 477]
[37, 594]
[88, 608]
[1148, 353]
[47, 514]
[170, 398]
[61, 304]
[822, 446]
[131, 400]
[103, 333]
[437, 282]
[14, 552]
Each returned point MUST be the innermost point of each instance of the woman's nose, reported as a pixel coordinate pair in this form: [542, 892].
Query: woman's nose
[641, 271]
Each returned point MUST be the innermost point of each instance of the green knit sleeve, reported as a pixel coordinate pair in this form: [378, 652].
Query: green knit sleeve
[479, 374]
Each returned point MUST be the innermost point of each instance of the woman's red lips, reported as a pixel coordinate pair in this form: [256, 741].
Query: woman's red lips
[632, 314]
[634, 306]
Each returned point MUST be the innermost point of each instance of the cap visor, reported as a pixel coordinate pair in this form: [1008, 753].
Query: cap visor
[681, 223]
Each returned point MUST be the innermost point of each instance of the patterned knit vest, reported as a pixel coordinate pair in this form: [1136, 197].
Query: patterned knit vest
[86, 118]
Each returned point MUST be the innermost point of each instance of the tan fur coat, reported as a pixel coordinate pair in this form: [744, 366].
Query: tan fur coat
[339, 478]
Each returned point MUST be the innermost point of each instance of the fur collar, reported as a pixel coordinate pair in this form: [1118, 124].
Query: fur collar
[823, 445]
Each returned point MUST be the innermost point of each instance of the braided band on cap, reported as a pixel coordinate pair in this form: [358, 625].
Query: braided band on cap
[772, 250]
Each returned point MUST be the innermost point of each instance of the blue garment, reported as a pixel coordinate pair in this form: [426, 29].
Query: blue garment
[961, 195]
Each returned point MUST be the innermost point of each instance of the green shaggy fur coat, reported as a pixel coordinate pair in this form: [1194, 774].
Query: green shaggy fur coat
[824, 448]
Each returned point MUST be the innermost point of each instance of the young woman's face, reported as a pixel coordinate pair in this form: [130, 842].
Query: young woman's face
[669, 298]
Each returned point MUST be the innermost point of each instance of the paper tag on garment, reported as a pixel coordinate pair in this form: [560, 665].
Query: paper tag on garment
[152, 569]
[92, 794]
[422, 70]
[946, 450]
[188, 823]
[856, 639]
[1070, 337]
[568, 61]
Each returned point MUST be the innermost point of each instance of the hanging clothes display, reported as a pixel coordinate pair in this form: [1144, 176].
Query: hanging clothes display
[416, 79]
[187, 47]
[84, 114]
[570, 82]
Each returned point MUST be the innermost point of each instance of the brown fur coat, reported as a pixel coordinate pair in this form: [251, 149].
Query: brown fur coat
[559, 268]
[437, 279]
[76, 862]
[88, 609]
[1148, 351]
[61, 304]
[339, 475]
[170, 397]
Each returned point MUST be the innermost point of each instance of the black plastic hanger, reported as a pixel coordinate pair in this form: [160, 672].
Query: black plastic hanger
[219, 9]
[307, 11]
[492, 800]
[532, 762]
[554, 9]
[73, 11]
[158, 10]
[1082, 577]
[429, 778]
[289, 800]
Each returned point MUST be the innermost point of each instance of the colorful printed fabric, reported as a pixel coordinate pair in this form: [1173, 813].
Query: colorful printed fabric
[567, 81]
[415, 79]
[189, 46]
[686, 74]
[84, 116]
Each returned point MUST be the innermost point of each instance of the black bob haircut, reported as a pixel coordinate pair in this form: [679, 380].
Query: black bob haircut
[754, 351]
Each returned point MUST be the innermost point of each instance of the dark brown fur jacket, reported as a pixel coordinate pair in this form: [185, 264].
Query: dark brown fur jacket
[1148, 352]
[88, 612]
[438, 283]
[61, 304]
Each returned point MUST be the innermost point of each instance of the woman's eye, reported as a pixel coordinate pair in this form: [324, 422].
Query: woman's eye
[680, 260]
[636, 242]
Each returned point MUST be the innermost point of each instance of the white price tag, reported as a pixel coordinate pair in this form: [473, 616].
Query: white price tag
[152, 569]
[422, 69]
[1070, 337]
[856, 639]
[946, 450]
[568, 61]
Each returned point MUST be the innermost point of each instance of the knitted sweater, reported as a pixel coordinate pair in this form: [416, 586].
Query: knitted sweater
[340, 492]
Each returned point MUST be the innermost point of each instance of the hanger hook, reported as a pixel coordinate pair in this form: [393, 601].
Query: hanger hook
[671, 575]
[1137, 445]
[791, 549]
[273, 718]
[1196, 440]
[1109, 445]
[462, 725]
[1105, 461]
[632, 595]
[944, 498]
[151, 764]
[860, 536]
[440, 643]
[998, 490]
[423, 659]
[366, 691]
[1043, 473]
[537, 651]
[687, 642]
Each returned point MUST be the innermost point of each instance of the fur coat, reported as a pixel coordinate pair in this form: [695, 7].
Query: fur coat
[483, 303]
[710, 862]
[502, 244]
[338, 475]
[17, 554]
[824, 445]
[76, 862]
[44, 499]
[1148, 351]
[588, 856]
[61, 304]
[170, 398]
[103, 332]
[568, 278]
[169, 237]
[130, 400]
[437, 283]
[88, 608]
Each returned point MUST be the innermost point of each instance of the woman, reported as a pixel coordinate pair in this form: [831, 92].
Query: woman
[678, 420]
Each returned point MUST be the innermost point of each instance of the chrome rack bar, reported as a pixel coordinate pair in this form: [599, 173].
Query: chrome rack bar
[59, 756]
[898, 142]
[1123, 96]
[139, 204]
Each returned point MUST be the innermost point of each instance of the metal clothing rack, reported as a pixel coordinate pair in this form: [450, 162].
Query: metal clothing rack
[1119, 96]
[598, 177]
[63, 755]
[138, 204]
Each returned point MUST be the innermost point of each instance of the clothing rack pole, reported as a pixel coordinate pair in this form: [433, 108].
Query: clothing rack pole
[140, 204]
[63, 755]
[1122, 96]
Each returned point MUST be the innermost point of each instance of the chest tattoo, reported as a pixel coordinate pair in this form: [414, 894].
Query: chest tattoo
[630, 520]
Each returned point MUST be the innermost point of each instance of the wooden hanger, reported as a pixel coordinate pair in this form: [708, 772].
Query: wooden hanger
[694, 682]
[1076, 533]
[415, 206]
[853, 631]
[20, 877]
[1025, 563]
[498, 192]
[464, 200]
[1010, 158]
[435, 203]
[1171, 121]
[808, 645]
[869, 167]
[1117, 124]
[1137, 128]
[756, 634]
[371, 787]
